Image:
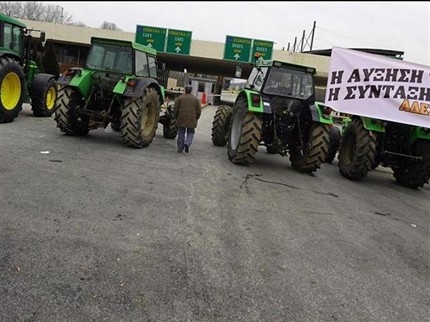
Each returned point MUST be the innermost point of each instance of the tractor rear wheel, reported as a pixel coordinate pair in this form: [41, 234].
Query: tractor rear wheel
[357, 151]
[309, 158]
[43, 95]
[244, 135]
[139, 119]
[66, 115]
[221, 125]
[335, 137]
[415, 173]
[12, 83]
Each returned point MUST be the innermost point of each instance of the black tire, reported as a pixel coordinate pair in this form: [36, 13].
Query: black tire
[335, 137]
[66, 116]
[12, 84]
[170, 129]
[221, 125]
[356, 152]
[43, 95]
[139, 119]
[244, 134]
[415, 173]
[314, 151]
[271, 149]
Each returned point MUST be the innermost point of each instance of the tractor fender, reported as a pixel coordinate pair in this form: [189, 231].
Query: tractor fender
[37, 88]
[11, 54]
[78, 78]
[139, 89]
[420, 133]
[318, 115]
[373, 125]
[253, 100]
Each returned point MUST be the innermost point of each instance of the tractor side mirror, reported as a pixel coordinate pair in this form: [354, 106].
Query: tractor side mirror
[238, 72]
[42, 38]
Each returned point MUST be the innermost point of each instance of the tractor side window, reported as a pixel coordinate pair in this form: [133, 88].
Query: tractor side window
[142, 68]
[16, 39]
[256, 78]
[7, 39]
[152, 67]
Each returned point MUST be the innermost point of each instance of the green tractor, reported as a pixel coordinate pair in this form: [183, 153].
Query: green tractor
[368, 143]
[121, 84]
[20, 79]
[276, 109]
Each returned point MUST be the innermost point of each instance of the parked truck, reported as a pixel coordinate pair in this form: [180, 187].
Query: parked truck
[276, 109]
[20, 79]
[121, 84]
[388, 103]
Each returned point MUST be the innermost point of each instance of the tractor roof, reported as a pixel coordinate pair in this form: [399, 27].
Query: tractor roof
[11, 20]
[125, 43]
[277, 63]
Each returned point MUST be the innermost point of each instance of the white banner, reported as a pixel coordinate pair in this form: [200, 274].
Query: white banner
[380, 87]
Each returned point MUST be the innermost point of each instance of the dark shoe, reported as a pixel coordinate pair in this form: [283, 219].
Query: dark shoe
[187, 148]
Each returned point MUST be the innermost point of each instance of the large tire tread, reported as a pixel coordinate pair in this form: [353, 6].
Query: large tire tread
[221, 125]
[250, 127]
[357, 151]
[8, 66]
[139, 119]
[65, 114]
[315, 154]
[41, 103]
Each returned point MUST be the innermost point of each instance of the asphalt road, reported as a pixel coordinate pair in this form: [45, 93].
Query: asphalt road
[91, 230]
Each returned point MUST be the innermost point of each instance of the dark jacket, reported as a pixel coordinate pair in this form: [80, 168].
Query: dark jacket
[187, 111]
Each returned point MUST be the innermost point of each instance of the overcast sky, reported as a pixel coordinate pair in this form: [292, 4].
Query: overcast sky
[400, 26]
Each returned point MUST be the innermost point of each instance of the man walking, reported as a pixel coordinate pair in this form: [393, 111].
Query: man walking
[187, 112]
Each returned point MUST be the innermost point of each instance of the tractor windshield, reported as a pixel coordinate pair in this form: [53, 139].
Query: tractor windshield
[283, 81]
[112, 58]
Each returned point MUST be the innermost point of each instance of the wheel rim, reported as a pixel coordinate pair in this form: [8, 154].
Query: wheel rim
[50, 98]
[148, 115]
[10, 91]
[236, 128]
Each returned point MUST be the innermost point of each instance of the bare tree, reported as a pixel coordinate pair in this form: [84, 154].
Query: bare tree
[77, 24]
[33, 10]
[110, 26]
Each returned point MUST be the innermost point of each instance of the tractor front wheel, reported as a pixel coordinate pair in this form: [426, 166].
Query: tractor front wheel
[12, 83]
[170, 128]
[244, 135]
[43, 95]
[357, 151]
[311, 155]
[221, 125]
[139, 119]
[415, 174]
[66, 116]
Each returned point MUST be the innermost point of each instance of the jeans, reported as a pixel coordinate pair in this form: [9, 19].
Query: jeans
[185, 137]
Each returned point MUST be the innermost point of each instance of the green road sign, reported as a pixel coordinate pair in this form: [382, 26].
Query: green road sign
[237, 48]
[263, 47]
[153, 37]
[178, 42]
